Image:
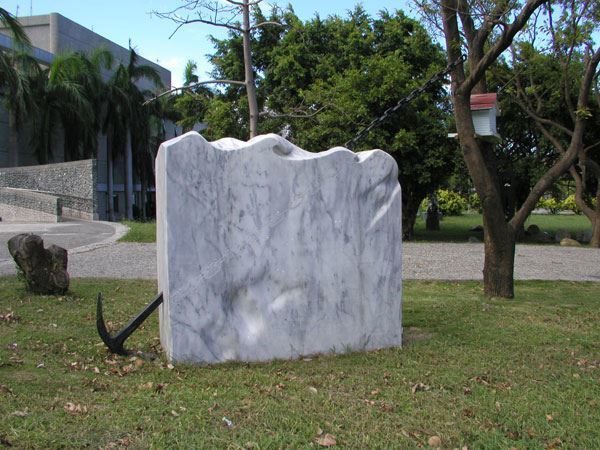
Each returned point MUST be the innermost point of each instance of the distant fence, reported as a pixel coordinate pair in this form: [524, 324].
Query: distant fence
[74, 183]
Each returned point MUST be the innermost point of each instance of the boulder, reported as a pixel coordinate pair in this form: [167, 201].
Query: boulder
[568, 242]
[45, 270]
[561, 234]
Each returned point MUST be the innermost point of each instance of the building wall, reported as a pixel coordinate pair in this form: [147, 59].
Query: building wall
[19, 205]
[73, 182]
[53, 34]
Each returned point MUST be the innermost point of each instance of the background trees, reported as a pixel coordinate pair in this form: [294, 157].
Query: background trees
[321, 81]
[484, 30]
[554, 81]
[15, 88]
[225, 15]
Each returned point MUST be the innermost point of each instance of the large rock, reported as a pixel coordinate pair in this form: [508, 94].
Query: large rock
[568, 242]
[562, 234]
[45, 270]
[268, 251]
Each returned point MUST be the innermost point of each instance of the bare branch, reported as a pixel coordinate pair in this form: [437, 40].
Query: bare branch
[192, 86]
[579, 189]
[542, 120]
[256, 2]
[293, 116]
[262, 24]
[501, 44]
[589, 147]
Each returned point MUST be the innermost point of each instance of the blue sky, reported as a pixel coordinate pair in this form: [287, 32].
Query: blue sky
[124, 19]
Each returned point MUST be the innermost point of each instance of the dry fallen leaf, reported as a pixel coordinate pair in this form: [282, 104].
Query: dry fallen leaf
[75, 409]
[549, 417]
[434, 441]
[312, 389]
[20, 413]
[326, 440]
[554, 443]
[128, 368]
[420, 387]
[9, 318]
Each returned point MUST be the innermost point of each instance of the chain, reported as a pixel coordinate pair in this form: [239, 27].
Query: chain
[411, 96]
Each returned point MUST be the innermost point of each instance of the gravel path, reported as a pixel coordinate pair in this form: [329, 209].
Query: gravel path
[421, 261]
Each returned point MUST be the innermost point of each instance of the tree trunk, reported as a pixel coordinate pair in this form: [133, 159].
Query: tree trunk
[433, 214]
[110, 175]
[499, 236]
[499, 262]
[595, 220]
[128, 178]
[143, 195]
[249, 75]
[410, 208]
[13, 140]
[595, 241]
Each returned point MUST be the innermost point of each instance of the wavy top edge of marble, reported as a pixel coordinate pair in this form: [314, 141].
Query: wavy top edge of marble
[279, 146]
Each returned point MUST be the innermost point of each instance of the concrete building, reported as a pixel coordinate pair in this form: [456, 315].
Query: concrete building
[50, 35]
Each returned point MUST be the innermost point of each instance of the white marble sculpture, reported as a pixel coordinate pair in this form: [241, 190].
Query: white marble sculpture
[268, 251]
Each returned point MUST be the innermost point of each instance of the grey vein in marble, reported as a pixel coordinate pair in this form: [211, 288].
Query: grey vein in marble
[268, 251]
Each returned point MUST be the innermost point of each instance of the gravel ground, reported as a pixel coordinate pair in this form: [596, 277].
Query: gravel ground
[421, 261]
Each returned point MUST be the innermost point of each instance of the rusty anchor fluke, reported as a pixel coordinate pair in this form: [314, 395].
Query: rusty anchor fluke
[115, 343]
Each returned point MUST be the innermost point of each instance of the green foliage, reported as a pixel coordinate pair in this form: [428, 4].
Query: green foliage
[508, 365]
[569, 204]
[548, 203]
[451, 203]
[474, 202]
[324, 80]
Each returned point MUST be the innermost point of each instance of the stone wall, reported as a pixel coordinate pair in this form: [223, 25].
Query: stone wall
[73, 182]
[20, 205]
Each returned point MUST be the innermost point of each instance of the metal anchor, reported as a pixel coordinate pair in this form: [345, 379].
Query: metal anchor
[115, 343]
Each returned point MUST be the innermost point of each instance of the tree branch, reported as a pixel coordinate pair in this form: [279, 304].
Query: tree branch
[502, 44]
[192, 86]
[539, 119]
[292, 116]
[268, 22]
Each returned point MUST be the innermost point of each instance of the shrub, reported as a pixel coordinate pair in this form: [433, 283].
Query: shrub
[451, 203]
[549, 203]
[568, 204]
[474, 202]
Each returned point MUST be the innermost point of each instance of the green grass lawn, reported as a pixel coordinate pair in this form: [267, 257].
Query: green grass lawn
[456, 228]
[453, 228]
[523, 373]
[140, 232]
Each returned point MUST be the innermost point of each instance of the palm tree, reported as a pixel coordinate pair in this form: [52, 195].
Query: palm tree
[70, 95]
[126, 121]
[15, 67]
[64, 103]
